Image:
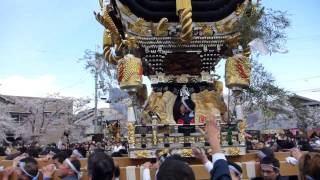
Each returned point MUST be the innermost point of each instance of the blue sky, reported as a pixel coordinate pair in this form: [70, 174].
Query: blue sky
[40, 42]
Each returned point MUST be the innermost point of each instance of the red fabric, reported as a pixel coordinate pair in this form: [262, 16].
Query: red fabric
[181, 121]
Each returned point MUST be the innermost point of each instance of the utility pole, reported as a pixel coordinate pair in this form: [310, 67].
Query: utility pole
[97, 129]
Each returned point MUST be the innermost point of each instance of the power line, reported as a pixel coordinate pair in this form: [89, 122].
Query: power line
[307, 90]
[305, 37]
[301, 79]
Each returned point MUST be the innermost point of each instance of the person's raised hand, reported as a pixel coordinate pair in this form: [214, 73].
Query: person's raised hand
[213, 132]
[296, 153]
[17, 160]
[200, 154]
[7, 173]
[147, 165]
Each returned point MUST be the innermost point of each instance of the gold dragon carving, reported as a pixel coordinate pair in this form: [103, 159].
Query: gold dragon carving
[206, 101]
[162, 27]
[162, 104]
[111, 35]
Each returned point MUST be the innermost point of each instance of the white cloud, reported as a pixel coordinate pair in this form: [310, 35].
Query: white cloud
[40, 86]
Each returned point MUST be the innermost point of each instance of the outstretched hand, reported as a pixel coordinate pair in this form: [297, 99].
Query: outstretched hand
[7, 173]
[296, 153]
[200, 154]
[213, 131]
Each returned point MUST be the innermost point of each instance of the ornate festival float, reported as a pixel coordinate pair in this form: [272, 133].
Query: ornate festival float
[177, 45]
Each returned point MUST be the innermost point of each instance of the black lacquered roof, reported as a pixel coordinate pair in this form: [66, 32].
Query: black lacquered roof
[202, 10]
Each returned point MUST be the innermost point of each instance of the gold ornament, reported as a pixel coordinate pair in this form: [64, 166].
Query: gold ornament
[162, 27]
[242, 127]
[223, 27]
[240, 9]
[247, 52]
[129, 71]
[207, 30]
[233, 41]
[163, 151]
[181, 140]
[191, 140]
[201, 139]
[238, 70]
[234, 151]
[205, 102]
[186, 152]
[184, 10]
[185, 17]
[140, 27]
[160, 140]
[107, 39]
[218, 86]
[141, 154]
[108, 23]
[125, 10]
[132, 43]
[154, 135]
[162, 104]
[131, 133]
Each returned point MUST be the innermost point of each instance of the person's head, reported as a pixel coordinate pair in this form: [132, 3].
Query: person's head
[100, 166]
[172, 169]
[270, 168]
[69, 167]
[309, 165]
[33, 152]
[235, 171]
[59, 158]
[260, 145]
[266, 152]
[27, 169]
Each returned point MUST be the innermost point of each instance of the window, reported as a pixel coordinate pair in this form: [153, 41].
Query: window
[18, 117]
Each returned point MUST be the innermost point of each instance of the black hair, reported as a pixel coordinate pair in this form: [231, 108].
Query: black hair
[116, 154]
[172, 169]
[100, 166]
[33, 152]
[69, 152]
[31, 166]
[61, 156]
[76, 164]
[268, 152]
[273, 161]
[175, 157]
[178, 103]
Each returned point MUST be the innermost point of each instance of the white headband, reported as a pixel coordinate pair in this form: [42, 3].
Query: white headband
[261, 154]
[22, 165]
[270, 165]
[79, 174]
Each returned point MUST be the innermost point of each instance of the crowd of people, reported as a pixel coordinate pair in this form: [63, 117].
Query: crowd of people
[101, 165]
[284, 141]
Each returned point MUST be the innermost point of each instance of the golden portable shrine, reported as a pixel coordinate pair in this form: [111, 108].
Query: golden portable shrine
[177, 45]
